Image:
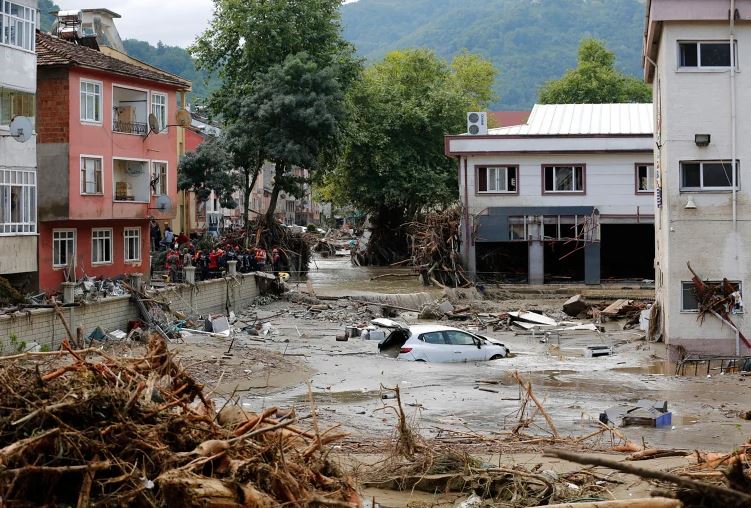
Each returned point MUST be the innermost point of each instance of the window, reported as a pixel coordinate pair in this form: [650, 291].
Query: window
[159, 108]
[704, 54]
[132, 238]
[14, 103]
[432, 338]
[459, 338]
[63, 247]
[645, 178]
[497, 179]
[708, 175]
[563, 179]
[689, 303]
[91, 101]
[101, 246]
[18, 207]
[159, 178]
[91, 175]
[17, 25]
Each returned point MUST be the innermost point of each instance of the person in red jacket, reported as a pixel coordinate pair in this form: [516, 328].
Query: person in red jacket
[213, 260]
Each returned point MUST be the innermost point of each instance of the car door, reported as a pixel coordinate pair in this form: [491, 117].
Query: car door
[464, 346]
[435, 348]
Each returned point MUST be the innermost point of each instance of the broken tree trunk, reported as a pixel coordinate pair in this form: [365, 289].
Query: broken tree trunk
[733, 497]
[528, 387]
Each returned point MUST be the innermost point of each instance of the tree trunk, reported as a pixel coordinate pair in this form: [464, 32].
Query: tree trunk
[249, 184]
[279, 170]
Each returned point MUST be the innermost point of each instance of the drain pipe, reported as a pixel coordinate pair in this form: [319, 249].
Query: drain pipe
[734, 164]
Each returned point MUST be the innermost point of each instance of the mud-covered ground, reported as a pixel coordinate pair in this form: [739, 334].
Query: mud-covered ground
[300, 353]
[346, 377]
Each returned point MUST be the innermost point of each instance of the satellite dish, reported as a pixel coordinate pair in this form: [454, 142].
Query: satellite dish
[183, 118]
[163, 203]
[153, 123]
[21, 128]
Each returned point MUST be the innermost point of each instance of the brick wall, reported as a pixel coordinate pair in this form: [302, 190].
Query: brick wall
[112, 313]
[52, 114]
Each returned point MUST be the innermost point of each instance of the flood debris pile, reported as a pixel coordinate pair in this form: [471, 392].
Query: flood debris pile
[435, 248]
[434, 466]
[725, 482]
[141, 432]
[721, 300]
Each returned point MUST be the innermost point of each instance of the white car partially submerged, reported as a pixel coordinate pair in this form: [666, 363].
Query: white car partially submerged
[442, 344]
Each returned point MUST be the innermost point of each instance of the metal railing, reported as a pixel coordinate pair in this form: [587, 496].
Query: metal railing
[130, 127]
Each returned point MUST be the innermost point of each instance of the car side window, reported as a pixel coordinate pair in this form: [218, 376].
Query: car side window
[433, 338]
[459, 338]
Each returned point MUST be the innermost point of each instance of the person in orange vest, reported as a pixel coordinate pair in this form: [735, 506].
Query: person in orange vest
[260, 258]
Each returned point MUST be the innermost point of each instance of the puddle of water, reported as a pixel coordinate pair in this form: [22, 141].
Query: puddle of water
[343, 397]
[685, 419]
[330, 275]
[661, 368]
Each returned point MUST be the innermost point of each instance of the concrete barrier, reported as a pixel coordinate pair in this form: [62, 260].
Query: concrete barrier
[45, 328]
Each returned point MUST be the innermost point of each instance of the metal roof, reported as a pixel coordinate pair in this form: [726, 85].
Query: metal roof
[583, 119]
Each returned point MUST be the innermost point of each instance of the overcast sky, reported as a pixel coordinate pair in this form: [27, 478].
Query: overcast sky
[174, 22]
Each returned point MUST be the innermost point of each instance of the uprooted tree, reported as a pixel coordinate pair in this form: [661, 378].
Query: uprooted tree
[392, 163]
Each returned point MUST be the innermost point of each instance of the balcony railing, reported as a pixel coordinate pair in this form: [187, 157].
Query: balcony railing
[130, 128]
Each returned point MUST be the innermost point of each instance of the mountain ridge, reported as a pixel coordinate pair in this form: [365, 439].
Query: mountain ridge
[529, 41]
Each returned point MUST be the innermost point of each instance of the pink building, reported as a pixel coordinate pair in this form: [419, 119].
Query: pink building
[102, 171]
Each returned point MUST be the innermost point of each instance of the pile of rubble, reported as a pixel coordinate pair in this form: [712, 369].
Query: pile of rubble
[141, 432]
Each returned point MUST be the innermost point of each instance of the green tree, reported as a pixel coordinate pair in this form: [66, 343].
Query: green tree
[284, 65]
[392, 163]
[208, 169]
[594, 80]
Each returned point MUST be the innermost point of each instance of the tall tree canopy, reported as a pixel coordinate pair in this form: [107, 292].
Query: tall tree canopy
[392, 162]
[284, 68]
[247, 37]
[594, 80]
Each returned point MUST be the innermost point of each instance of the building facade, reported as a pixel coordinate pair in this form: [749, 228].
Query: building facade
[18, 175]
[695, 57]
[565, 197]
[106, 171]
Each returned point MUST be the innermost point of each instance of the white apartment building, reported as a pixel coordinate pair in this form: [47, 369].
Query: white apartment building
[697, 56]
[567, 196]
[18, 163]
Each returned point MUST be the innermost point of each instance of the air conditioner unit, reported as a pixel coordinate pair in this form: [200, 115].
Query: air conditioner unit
[477, 123]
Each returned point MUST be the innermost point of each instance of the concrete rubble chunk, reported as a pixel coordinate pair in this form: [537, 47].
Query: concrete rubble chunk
[575, 305]
[446, 307]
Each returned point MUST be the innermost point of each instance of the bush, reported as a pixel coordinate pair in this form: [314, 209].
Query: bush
[312, 228]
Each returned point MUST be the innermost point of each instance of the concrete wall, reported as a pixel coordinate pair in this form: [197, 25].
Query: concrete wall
[690, 102]
[44, 327]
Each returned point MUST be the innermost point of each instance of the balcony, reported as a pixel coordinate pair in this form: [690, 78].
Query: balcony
[138, 128]
[130, 111]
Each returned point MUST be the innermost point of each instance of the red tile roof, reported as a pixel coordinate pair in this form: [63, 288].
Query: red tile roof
[53, 51]
[506, 118]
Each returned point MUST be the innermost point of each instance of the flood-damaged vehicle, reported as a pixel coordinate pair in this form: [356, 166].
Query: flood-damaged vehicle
[436, 343]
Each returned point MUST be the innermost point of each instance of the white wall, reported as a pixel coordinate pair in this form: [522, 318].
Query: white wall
[18, 72]
[699, 103]
[610, 183]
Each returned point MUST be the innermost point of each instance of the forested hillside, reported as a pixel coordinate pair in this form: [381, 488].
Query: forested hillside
[529, 41]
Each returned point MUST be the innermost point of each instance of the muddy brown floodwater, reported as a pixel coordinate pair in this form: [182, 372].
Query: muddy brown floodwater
[346, 378]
